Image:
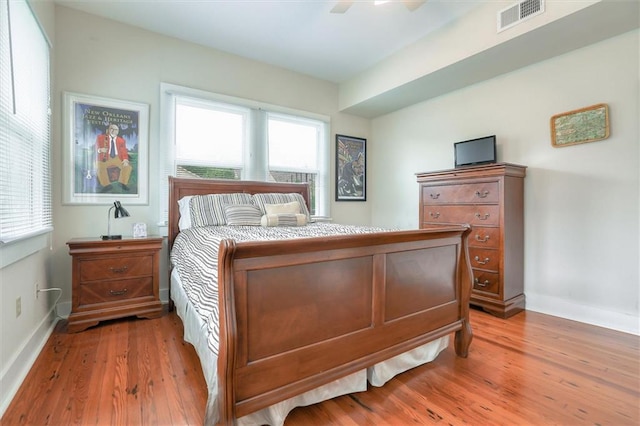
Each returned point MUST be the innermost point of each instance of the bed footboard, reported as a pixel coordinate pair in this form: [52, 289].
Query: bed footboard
[298, 314]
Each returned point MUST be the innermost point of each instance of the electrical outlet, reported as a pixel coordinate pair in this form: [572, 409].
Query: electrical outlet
[37, 289]
[18, 306]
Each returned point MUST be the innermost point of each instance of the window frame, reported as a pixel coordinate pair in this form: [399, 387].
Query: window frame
[255, 155]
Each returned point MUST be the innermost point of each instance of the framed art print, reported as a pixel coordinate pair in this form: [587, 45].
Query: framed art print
[351, 168]
[105, 148]
[582, 125]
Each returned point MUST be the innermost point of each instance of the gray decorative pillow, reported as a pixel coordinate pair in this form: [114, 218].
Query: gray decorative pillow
[208, 210]
[280, 198]
[242, 215]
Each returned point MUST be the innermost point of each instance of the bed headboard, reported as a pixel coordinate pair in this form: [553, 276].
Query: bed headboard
[181, 187]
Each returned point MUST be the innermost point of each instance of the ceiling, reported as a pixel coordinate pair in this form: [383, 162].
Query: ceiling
[300, 35]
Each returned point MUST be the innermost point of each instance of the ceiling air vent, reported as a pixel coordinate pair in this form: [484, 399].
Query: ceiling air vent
[515, 14]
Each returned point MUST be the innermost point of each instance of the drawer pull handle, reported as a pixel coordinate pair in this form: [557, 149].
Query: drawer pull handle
[434, 215]
[482, 240]
[434, 196]
[482, 194]
[481, 217]
[479, 284]
[486, 260]
[119, 270]
[117, 292]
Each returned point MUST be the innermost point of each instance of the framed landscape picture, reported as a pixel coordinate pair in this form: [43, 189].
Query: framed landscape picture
[351, 168]
[105, 150]
[582, 125]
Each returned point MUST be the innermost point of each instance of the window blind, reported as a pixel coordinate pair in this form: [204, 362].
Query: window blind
[25, 183]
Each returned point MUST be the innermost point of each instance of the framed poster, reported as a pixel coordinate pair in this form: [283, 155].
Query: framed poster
[582, 125]
[105, 150]
[351, 168]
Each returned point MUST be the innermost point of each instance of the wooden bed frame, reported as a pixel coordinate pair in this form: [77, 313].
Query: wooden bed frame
[298, 314]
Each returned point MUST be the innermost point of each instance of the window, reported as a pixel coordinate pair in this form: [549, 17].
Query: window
[25, 193]
[209, 139]
[214, 136]
[294, 150]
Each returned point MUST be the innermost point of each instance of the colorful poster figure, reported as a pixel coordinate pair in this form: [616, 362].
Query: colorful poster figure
[105, 150]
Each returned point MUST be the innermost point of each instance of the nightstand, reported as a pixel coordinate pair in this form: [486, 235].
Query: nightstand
[114, 279]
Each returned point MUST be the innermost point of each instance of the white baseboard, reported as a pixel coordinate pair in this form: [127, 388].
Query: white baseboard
[18, 367]
[588, 314]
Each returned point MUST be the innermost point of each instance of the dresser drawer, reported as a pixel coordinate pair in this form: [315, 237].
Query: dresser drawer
[481, 192]
[484, 237]
[488, 282]
[115, 291]
[474, 215]
[117, 267]
[484, 258]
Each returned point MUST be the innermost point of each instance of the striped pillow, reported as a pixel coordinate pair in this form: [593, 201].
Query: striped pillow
[283, 219]
[208, 210]
[242, 215]
[281, 198]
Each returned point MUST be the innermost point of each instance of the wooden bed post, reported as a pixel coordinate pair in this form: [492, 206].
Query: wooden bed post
[464, 336]
[227, 348]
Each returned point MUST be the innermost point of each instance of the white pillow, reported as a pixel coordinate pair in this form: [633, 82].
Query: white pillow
[184, 222]
[293, 208]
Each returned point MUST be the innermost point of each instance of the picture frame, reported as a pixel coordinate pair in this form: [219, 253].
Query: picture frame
[351, 168]
[105, 150]
[589, 124]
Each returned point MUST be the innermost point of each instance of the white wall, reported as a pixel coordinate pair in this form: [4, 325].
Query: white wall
[581, 202]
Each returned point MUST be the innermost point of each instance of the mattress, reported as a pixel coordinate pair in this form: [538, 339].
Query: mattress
[194, 258]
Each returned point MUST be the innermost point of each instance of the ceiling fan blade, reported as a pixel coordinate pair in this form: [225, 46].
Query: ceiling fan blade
[341, 6]
[413, 4]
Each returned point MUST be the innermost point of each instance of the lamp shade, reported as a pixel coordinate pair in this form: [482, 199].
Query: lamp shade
[119, 212]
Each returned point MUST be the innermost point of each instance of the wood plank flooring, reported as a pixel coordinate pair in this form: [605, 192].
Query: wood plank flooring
[531, 369]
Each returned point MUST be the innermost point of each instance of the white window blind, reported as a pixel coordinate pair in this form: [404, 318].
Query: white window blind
[25, 193]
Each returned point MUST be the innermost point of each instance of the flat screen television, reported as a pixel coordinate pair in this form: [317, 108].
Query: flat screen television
[475, 151]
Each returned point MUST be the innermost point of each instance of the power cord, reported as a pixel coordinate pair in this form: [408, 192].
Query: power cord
[55, 304]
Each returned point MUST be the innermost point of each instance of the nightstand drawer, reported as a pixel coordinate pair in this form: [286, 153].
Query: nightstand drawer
[116, 267]
[113, 291]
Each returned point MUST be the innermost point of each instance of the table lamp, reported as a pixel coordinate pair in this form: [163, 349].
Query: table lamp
[119, 212]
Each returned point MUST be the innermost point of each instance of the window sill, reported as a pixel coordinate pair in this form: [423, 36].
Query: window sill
[18, 250]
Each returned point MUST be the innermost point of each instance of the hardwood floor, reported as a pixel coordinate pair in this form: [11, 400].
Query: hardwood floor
[531, 369]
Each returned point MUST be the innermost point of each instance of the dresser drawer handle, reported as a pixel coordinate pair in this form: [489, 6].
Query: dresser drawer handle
[482, 240]
[479, 284]
[121, 270]
[117, 292]
[482, 194]
[486, 260]
[434, 215]
[434, 196]
[485, 217]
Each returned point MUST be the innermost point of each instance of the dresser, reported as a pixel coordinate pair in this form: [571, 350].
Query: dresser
[114, 279]
[490, 198]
